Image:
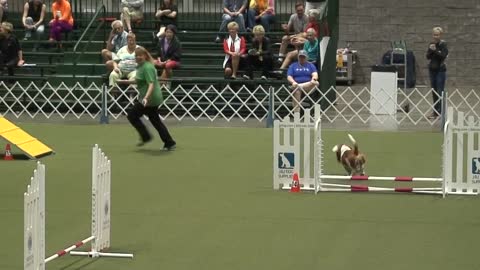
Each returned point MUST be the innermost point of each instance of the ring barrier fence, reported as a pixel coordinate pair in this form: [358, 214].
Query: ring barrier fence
[240, 102]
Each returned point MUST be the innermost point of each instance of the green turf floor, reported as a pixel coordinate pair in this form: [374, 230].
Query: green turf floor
[210, 205]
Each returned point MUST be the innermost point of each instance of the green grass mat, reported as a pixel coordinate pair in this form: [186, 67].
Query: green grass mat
[210, 205]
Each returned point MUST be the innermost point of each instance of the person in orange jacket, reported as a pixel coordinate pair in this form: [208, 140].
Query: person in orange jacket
[62, 20]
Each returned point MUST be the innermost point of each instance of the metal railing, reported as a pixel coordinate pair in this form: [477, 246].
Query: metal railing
[101, 11]
[260, 104]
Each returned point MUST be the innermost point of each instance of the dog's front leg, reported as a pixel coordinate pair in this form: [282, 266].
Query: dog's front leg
[348, 170]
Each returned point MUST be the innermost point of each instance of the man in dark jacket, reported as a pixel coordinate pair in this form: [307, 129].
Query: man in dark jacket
[260, 56]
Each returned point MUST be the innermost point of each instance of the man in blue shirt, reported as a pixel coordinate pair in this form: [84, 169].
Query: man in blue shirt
[303, 77]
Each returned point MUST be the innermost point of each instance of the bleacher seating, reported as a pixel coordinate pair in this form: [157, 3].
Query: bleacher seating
[201, 56]
[201, 64]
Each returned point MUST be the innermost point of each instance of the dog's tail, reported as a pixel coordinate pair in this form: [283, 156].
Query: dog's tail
[335, 148]
[355, 145]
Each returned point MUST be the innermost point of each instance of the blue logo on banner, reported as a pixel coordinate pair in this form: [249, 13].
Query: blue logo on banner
[286, 160]
[476, 165]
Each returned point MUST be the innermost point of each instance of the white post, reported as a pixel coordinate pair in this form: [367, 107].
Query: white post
[318, 156]
[292, 151]
[459, 147]
[34, 221]
[101, 207]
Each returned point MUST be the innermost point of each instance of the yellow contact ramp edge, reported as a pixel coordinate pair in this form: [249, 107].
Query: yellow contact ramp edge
[24, 141]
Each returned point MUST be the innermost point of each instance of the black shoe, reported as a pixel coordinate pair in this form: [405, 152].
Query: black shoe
[170, 147]
[143, 142]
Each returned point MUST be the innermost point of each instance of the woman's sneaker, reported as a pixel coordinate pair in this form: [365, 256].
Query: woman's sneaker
[170, 147]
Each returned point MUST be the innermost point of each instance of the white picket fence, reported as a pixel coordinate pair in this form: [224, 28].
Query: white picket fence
[241, 103]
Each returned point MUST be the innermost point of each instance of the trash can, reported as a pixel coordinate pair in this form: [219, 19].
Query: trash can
[383, 90]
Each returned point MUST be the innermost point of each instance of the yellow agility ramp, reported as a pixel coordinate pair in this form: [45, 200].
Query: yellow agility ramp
[24, 141]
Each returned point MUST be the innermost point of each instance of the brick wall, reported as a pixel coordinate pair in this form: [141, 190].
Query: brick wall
[370, 26]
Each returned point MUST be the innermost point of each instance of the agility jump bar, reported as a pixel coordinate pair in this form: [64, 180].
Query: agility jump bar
[382, 178]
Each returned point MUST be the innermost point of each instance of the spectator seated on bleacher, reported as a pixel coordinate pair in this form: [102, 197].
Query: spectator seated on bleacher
[261, 11]
[11, 54]
[311, 46]
[166, 15]
[132, 12]
[3, 10]
[312, 16]
[320, 8]
[319, 5]
[232, 12]
[235, 49]
[303, 77]
[296, 25]
[260, 55]
[124, 63]
[116, 40]
[62, 21]
[32, 19]
[169, 52]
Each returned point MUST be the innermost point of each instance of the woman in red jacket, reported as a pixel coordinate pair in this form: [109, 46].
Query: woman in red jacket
[235, 50]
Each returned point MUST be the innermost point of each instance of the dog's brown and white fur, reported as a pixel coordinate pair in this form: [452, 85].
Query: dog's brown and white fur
[351, 159]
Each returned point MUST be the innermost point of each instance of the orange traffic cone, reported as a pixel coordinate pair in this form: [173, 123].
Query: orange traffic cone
[8, 153]
[295, 183]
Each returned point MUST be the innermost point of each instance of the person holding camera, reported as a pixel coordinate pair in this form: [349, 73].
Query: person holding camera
[116, 40]
[437, 53]
[260, 55]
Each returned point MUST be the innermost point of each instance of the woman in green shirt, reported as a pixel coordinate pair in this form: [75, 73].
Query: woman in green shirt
[150, 97]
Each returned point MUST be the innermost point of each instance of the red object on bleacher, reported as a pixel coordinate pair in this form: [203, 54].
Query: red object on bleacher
[107, 19]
